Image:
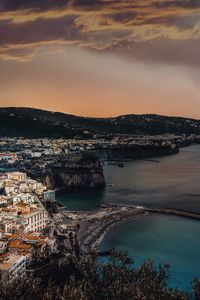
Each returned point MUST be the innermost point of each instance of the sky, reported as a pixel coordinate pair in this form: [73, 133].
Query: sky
[101, 57]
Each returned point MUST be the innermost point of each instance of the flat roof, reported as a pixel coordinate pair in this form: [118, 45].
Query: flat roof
[8, 261]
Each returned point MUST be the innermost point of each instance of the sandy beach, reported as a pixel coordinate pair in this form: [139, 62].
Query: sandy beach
[94, 225]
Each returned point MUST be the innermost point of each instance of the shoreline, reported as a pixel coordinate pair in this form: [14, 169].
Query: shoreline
[100, 239]
[96, 232]
[94, 226]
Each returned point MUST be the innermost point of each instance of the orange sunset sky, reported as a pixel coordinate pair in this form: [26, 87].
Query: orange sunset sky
[101, 57]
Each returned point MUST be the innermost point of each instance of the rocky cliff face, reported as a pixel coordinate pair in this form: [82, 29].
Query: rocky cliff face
[74, 177]
[123, 152]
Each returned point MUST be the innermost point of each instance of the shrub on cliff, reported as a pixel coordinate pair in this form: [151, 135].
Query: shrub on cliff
[116, 279]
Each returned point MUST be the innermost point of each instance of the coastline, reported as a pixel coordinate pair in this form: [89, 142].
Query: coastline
[95, 233]
[94, 226]
[96, 244]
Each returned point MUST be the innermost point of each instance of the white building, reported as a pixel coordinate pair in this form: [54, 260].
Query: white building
[24, 198]
[19, 176]
[6, 225]
[10, 158]
[36, 221]
[36, 154]
[13, 267]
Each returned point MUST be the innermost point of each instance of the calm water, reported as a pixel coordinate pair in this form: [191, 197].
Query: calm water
[174, 182]
[164, 239]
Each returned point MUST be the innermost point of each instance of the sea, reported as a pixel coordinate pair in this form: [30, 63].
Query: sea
[173, 182]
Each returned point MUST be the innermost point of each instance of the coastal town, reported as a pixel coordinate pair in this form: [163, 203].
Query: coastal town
[99, 149]
[45, 146]
[34, 228]
[22, 218]
[31, 225]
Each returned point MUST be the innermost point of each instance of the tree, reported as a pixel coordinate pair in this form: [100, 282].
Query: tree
[196, 289]
[88, 278]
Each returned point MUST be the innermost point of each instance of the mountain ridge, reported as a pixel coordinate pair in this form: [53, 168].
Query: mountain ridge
[87, 117]
[33, 122]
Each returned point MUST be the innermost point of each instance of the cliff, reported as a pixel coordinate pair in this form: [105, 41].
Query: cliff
[80, 175]
[123, 152]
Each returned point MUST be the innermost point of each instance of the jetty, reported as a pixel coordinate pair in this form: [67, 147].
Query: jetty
[176, 212]
[169, 211]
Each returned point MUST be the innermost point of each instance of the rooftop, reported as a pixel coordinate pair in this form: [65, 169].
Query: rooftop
[8, 261]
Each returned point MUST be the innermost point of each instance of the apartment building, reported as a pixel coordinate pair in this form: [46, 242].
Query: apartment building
[12, 267]
[36, 221]
[19, 176]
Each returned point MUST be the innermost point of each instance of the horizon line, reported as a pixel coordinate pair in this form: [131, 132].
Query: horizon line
[97, 117]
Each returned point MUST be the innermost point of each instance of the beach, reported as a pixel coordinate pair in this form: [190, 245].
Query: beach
[94, 225]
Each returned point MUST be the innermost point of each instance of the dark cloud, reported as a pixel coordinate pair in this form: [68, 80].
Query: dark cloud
[42, 30]
[12, 5]
[172, 52]
[134, 27]
[124, 17]
[87, 2]
[177, 3]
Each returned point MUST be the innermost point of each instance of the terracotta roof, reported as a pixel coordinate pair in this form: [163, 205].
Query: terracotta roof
[18, 244]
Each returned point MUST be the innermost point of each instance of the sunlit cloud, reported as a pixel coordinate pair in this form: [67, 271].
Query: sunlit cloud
[96, 24]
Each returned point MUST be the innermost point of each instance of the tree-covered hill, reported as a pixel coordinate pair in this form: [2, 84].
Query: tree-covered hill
[28, 122]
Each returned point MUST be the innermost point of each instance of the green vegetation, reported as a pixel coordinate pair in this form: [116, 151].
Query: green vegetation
[27, 122]
[88, 279]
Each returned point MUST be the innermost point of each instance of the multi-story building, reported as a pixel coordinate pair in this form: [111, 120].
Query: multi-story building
[24, 198]
[9, 158]
[36, 221]
[12, 266]
[19, 176]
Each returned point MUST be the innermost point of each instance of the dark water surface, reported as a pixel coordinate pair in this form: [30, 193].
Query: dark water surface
[164, 239]
[174, 182]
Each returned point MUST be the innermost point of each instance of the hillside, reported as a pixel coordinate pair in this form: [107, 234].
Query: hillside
[28, 122]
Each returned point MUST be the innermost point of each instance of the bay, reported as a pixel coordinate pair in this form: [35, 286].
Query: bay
[174, 182]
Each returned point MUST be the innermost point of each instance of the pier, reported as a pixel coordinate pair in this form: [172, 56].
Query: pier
[169, 211]
[176, 212]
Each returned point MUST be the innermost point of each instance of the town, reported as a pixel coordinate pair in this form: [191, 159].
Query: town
[33, 227]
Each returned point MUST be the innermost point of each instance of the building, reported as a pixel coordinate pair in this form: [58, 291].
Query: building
[67, 227]
[36, 221]
[22, 208]
[12, 267]
[19, 176]
[9, 158]
[24, 198]
[22, 220]
[3, 245]
[50, 195]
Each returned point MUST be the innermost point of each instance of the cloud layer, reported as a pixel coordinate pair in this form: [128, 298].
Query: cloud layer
[102, 25]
